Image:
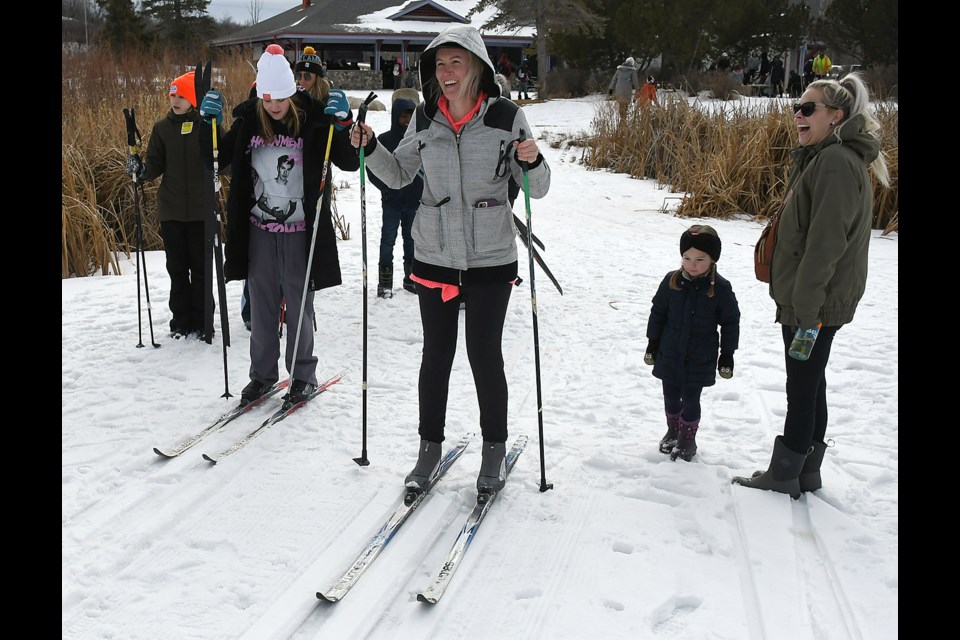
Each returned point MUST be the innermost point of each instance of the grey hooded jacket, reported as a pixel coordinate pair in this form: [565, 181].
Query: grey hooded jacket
[624, 82]
[465, 220]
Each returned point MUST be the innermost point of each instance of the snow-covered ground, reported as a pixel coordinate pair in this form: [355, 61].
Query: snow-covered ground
[626, 545]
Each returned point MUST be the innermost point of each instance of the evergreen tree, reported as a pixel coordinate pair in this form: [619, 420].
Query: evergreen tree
[866, 30]
[122, 28]
[180, 23]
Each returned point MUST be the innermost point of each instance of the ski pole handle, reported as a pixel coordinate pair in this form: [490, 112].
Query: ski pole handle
[362, 110]
[523, 163]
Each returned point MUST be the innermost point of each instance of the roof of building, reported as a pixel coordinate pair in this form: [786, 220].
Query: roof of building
[415, 22]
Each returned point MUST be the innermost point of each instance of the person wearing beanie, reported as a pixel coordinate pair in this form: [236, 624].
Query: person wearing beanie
[683, 341]
[624, 84]
[277, 147]
[174, 153]
[309, 75]
[466, 145]
[648, 92]
[399, 205]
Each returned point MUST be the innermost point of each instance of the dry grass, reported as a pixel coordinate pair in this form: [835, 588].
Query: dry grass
[731, 162]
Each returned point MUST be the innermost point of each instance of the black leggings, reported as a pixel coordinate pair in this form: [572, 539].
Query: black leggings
[806, 420]
[486, 309]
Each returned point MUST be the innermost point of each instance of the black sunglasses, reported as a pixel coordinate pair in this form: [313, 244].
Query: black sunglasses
[303, 75]
[807, 108]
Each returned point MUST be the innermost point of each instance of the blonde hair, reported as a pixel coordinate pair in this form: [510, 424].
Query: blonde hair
[851, 96]
[470, 87]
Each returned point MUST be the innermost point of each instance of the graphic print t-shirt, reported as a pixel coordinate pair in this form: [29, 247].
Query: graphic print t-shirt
[278, 184]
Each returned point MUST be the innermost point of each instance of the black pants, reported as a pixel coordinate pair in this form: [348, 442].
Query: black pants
[685, 398]
[186, 261]
[806, 420]
[486, 309]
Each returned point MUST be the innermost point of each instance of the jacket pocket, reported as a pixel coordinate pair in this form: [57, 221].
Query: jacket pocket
[428, 230]
[492, 228]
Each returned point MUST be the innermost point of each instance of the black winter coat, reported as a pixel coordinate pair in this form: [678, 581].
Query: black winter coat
[685, 321]
[173, 154]
[407, 197]
[234, 150]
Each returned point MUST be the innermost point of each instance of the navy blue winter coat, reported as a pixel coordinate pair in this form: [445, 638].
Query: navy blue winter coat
[407, 197]
[685, 321]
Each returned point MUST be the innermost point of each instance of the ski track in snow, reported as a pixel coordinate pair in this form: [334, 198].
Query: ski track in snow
[161, 527]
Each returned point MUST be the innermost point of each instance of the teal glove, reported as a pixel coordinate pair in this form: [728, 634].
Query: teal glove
[211, 108]
[339, 107]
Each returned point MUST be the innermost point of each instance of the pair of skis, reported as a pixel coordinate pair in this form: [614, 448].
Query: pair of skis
[225, 419]
[442, 577]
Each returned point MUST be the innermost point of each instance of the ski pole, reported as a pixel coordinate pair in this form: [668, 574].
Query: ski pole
[533, 303]
[134, 141]
[313, 245]
[202, 82]
[361, 117]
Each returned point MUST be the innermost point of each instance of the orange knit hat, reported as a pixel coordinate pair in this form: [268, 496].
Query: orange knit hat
[184, 86]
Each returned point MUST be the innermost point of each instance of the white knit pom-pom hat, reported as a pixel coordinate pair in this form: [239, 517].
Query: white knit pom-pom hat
[274, 76]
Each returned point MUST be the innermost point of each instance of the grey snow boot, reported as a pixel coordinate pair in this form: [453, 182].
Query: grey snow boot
[783, 473]
[669, 440]
[493, 467]
[385, 285]
[686, 441]
[810, 473]
[426, 466]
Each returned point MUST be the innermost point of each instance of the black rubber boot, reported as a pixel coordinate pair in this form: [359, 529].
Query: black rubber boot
[783, 473]
[385, 285]
[669, 439]
[687, 441]
[810, 473]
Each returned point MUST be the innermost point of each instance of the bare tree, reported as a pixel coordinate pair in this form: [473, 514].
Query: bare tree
[255, 7]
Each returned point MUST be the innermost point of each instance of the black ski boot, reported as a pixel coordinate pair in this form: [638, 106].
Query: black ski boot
[300, 391]
[252, 391]
[493, 468]
[427, 462]
[385, 285]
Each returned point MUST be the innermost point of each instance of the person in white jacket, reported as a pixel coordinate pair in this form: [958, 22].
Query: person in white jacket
[467, 141]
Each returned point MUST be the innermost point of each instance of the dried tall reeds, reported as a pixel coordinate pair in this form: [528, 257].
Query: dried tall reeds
[98, 206]
[731, 161]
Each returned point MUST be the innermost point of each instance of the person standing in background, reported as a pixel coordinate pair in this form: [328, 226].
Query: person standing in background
[174, 152]
[399, 205]
[624, 84]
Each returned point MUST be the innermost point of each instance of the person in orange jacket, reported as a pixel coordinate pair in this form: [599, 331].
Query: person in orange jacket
[647, 94]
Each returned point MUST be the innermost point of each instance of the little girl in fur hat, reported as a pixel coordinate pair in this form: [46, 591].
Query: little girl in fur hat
[689, 305]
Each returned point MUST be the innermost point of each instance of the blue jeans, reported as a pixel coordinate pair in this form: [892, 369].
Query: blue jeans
[395, 216]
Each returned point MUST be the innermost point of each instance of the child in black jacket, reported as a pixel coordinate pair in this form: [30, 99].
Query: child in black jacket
[683, 340]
